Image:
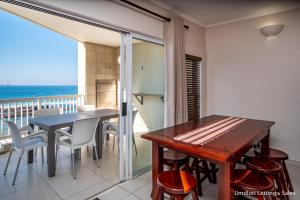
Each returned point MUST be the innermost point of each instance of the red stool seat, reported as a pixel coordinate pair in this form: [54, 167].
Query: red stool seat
[170, 155]
[251, 181]
[176, 183]
[274, 154]
[263, 165]
[175, 159]
[270, 168]
[280, 157]
[248, 180]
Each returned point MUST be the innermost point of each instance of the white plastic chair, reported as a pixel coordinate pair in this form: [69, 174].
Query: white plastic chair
[112, 128]
[22, 145]
[83, 134]
[86, 108]
[44, 113]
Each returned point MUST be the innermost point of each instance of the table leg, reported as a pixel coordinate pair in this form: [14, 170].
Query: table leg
[30, 153]
[225, 171]
[99, 141]
[157, 166]
[77, 154]
[265, 143]
[51, 152]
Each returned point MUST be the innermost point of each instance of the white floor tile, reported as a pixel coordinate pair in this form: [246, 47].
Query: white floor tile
[116, 193]
[34, 192]
[65, 185]
[25, 178]
[135, 184]
[144, 192]
[90, 191]
[12, 166]
[131, 197]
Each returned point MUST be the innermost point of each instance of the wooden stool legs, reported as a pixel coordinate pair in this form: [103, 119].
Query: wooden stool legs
[194, 195]
[214, 172]
[202, 167]
[158, 194]
[287, 177]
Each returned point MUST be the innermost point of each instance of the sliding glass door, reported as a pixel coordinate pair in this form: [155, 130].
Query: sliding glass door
[143, 91]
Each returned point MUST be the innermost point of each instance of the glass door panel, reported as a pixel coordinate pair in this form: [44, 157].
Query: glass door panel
[147, 95]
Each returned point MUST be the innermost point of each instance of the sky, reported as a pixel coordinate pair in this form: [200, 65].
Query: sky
[33, 55]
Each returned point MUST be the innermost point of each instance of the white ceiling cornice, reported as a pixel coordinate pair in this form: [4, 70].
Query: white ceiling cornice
[248, 17]
[194, 20]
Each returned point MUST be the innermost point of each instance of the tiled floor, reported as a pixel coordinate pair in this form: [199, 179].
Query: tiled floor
[140, 188]
[33, 182]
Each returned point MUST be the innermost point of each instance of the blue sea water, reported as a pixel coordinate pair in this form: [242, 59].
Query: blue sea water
[13, 92]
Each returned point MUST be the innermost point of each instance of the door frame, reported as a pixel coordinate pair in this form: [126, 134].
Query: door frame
[127, 60]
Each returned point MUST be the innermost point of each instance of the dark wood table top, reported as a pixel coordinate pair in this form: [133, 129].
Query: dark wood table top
[219, 149]
[55, 121]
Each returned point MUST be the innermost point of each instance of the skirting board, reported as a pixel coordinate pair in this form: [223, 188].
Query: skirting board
[293, 162]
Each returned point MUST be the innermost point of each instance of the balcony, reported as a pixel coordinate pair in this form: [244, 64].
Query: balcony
[21, 109]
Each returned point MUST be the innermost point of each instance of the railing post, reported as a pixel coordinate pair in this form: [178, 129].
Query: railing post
[2, 114]
[8, 115]
[38, 103]
[16, 112]
[8, 111]
[21, 113]
[32, 108]
[73, 104]
[27, 112]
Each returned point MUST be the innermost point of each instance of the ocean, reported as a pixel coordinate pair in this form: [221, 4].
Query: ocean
[13, 92]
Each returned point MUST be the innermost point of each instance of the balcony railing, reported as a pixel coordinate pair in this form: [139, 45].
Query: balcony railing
[20, 110]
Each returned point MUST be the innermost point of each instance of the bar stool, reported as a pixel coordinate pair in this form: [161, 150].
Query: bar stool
[269, 168]
[175, 160]
[200, 166]
[176, 183]
[249, 181]
[280, 157]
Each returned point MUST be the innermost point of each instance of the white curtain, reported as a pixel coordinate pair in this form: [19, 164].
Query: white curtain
[175, 73]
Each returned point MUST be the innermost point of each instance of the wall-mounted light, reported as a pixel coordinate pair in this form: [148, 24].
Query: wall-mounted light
[271, 30]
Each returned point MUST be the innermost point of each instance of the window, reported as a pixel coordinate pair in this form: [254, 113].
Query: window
[193, 86]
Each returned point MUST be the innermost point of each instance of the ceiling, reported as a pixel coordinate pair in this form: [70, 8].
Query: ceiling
[214, 12]
[76, 30]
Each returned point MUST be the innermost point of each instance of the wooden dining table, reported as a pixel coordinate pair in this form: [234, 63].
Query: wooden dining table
[54, 122]
[224, 150]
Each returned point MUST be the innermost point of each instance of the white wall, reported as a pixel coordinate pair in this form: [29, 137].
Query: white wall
[149, 80]
[253, 76]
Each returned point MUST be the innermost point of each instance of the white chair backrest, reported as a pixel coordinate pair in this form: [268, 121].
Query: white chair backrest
[84, 131]
[47, 112]
[134, 112]
[86, 108]
[16, 136]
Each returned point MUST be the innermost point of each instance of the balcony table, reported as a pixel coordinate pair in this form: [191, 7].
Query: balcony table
[224, 150]
[54, 122]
